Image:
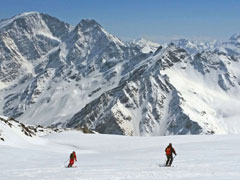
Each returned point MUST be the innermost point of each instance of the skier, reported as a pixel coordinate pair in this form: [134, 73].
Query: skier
[72, 158]
[169, 151]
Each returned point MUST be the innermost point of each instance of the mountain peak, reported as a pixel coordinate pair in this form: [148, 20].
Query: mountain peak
[146, 45]
[235, 37]
[6, 22]
[88, 23]
[26, 14]
[145, 41]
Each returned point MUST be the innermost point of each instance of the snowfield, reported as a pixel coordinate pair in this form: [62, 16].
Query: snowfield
[59, 76]
[111, 157]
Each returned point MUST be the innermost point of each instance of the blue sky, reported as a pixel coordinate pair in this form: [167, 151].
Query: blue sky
[157, 20]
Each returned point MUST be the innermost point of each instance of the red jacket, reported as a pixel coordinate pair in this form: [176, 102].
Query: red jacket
[169, 150]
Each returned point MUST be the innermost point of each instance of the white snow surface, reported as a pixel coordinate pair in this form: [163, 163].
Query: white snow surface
[102, 157]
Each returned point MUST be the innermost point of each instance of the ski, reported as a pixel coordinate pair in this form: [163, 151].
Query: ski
[163, 165]
[71, 167]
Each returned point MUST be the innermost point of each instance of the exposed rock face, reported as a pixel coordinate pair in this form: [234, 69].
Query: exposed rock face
[141, 104]
[83, 77]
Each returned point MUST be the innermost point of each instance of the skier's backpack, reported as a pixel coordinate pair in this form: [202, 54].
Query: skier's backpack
[168, 151]
[71, 156]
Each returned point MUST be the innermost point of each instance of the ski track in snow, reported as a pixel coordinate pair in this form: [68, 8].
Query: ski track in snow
[109, 157]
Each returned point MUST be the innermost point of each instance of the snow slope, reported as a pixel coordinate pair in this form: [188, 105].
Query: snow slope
[17, 134]
[205, 100]
[102, 157]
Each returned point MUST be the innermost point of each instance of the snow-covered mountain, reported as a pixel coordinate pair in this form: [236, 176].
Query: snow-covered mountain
[13, 132]
[60, 65]
[194, 47]
[145, 45]
[54, 74]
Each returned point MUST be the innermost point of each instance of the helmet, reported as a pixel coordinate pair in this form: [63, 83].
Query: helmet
[170, 144]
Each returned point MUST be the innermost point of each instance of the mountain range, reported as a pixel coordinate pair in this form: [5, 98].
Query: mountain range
[55, 74]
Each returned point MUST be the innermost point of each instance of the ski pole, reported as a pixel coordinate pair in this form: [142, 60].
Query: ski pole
[164, 163]
[66, 160]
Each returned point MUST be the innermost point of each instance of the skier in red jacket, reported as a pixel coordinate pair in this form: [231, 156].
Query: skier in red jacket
[169, 151]
[72, 158]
